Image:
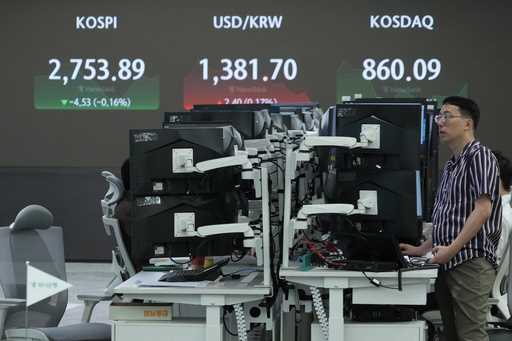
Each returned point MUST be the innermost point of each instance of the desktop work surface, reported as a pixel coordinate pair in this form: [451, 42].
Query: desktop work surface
[368, 287]
[375, 288]
[146, 285]
[214, 295]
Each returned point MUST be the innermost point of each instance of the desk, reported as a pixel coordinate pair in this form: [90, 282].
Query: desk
[213, 296]
[415, 286]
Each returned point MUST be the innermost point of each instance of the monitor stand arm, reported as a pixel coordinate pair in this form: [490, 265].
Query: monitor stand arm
[260, 241]
[215, 230]
[369, 138]
[250, 239]
[367, 205]
[239, 159]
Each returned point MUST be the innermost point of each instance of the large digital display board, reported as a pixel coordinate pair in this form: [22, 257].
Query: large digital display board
[79, 74]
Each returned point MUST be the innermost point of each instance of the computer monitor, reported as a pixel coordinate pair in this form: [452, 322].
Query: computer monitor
[408, 139]
[399, 202]
[250, 124]
[403, 134]
[431, 169]
[308, 113]
[264, 110]
[232, 107]
[294, 107]
[160, 159]
[328, 122]
[287, 121]
[161, 226]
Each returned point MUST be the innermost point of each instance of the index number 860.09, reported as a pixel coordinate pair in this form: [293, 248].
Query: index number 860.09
[98, 69]
[396, 69]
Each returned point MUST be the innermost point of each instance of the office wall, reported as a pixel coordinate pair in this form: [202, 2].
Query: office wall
[71, 194]
[57, 134]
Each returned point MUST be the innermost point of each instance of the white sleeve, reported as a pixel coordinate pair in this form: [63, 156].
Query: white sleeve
[506, 227]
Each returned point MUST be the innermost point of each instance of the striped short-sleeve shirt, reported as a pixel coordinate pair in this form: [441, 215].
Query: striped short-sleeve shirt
[467, 177]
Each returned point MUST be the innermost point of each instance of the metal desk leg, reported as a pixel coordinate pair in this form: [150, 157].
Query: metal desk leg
[336, 322]
[214, 330]
[287, 329]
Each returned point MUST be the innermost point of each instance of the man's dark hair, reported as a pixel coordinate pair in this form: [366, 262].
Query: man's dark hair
[467, 106]
[125, 174]
[505, 169]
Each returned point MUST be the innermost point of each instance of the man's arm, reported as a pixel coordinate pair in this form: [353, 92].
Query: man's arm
[421, 250]
[475, 221]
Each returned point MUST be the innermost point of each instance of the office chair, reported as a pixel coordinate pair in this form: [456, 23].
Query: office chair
[31, 237]
[499, 294]
[504, 332]
[122, 265]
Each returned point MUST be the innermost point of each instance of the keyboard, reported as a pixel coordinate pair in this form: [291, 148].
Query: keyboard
[188, 276]
[208, 274]
[419, 263]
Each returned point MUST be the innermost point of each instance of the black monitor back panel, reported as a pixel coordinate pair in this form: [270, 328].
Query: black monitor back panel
[408, 137]
[250, 124]
[152, 158]
[232, 107]
[153, 226]
[403, 133]
[399, 201]
[287, 121]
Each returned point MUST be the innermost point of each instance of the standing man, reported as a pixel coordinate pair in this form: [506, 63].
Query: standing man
[466, 224]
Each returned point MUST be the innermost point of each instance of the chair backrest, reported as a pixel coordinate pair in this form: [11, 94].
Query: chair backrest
[31, 237]
[509, 278]
[109, 203]
[114, 194]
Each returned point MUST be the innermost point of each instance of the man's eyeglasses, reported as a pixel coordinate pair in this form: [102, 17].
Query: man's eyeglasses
[441, 118]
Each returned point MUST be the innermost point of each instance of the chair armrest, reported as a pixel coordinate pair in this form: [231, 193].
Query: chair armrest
[504, 324]
[90, 302]
[95, 298]
[492, 300]
[11, 302]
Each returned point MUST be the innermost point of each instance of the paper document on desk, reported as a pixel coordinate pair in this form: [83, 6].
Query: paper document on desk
[151, 279]
[198, 284]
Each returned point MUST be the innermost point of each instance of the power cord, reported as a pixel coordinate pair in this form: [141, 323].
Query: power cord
[377, 283]
[225, 326]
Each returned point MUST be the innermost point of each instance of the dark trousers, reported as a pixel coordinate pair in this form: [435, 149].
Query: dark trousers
[462, 295]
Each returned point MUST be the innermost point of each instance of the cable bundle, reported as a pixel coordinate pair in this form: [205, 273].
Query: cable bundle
[320, 311]
[240, 322]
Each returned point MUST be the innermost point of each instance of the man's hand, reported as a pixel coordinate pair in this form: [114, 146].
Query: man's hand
[411, 250]
[443, 254]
